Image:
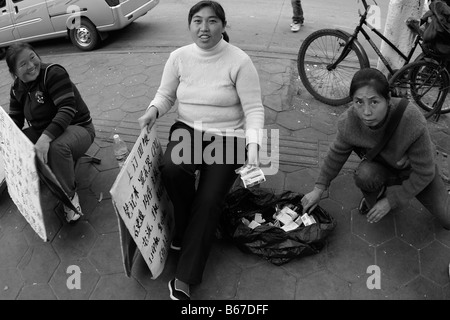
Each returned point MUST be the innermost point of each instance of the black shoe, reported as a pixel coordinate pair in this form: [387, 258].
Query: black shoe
[175, 244]
[176, 294]
[363, 207]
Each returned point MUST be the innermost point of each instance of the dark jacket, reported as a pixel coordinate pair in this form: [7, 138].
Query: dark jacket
[50, 103]
[437, 33]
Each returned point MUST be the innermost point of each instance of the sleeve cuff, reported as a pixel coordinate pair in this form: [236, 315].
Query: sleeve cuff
[254, 136]
[153, 106]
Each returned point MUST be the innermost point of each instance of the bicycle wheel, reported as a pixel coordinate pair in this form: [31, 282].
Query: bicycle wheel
[446, 105]
[424, 82]
[317, 52]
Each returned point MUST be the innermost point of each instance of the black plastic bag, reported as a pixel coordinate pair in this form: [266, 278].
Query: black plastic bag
[268, 241]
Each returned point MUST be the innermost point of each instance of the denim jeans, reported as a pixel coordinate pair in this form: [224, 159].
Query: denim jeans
[298, 11]
[197, 210]
[64, 151]
[372, 177]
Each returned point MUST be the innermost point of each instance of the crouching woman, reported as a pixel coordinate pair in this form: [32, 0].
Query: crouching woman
[404, 169]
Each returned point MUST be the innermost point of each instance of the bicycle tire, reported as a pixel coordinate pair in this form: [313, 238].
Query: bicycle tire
[424, 82]
[320, 49]
[446, 105]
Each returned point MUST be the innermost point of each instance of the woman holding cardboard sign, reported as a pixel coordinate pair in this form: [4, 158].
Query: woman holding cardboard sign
[220, 114]
[59, 121]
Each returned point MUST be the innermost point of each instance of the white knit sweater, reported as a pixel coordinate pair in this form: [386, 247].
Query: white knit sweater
[216, 89]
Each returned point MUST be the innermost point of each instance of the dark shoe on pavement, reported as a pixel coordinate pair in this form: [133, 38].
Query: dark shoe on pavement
[177, 294]
[363, 207]
[175, 245]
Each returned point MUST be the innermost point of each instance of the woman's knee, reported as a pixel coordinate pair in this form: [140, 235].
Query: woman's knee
[59, 150]
[370, 175]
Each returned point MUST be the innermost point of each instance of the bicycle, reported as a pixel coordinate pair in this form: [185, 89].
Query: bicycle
[328, 59]
[425, 81]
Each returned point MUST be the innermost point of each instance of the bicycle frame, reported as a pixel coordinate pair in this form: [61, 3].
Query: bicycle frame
[444, 68]
[359, 29]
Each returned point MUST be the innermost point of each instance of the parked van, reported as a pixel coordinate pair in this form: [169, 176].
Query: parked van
[85, 22]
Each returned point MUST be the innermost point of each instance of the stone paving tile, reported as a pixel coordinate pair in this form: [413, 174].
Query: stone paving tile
[399, 262]
[89, 201]
[38, 264]
[103, 218]
[349, 256]
[12, 249]
[359, 291]
[305, 266]
[40, 291]
[374, 234]
[419, 289]
[61, 280]
[265, 282]
[103, 183]
[340, 214]
[106, 255]
[13, 221]
[118, 287]
[322, 285]
[11, 283]
[220, 279]
[75, 241]
[414, 226]
[433, 261]
[343, 190]
[442, 235]
[240, 258]
[154, 287]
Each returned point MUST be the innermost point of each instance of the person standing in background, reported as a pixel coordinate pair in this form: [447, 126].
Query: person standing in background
[297, 18]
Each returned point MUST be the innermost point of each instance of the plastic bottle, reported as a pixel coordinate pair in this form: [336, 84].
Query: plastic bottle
[120, 150]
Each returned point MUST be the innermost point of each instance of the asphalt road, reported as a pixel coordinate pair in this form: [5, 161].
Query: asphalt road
[261, 25]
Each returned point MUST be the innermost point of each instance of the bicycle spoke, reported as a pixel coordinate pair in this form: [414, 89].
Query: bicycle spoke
[318, 52]
[423, 82]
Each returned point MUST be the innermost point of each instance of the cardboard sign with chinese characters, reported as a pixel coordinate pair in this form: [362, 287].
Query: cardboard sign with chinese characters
[21, 174]
[143, 206]
[2, 174]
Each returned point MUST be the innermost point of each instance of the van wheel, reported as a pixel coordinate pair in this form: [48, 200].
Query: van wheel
[2, 53]
[85, 37]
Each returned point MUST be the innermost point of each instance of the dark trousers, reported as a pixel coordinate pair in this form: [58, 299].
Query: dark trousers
[64, 151]
[197, 210]
[297, 11]
[373, 177]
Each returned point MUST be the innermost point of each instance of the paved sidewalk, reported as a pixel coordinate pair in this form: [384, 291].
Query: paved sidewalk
[412, 251]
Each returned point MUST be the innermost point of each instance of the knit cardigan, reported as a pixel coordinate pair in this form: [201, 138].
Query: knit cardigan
[216, 89]
[411, 138]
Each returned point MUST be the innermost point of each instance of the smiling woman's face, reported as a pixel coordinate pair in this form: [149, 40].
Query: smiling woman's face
[28, 65]
[370, 106]
[206, 28]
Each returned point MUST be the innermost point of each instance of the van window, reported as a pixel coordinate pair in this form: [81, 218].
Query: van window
[15, 1]
[2, 3]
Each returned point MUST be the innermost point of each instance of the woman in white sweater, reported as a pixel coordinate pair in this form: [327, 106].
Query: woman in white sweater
[220, 117]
